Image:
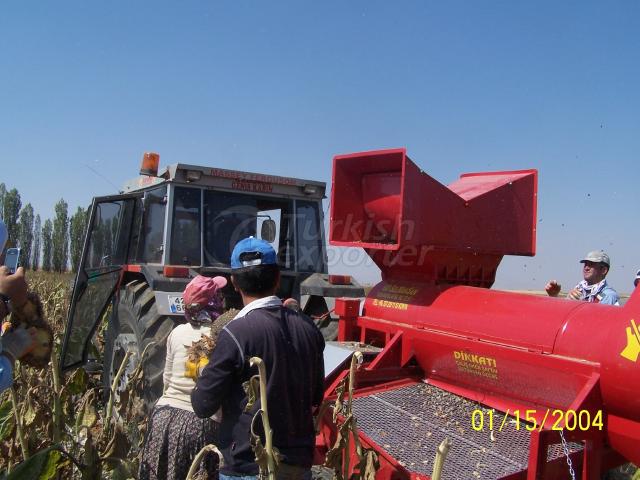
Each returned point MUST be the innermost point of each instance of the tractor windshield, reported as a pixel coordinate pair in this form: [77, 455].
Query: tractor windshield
[230, 217]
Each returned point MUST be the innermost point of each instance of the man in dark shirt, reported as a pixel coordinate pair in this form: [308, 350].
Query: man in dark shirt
[291, 347]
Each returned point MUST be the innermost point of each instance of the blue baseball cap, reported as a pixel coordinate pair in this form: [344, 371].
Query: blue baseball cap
[251, 252]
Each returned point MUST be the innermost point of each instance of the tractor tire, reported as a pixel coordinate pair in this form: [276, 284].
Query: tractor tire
[135, 323]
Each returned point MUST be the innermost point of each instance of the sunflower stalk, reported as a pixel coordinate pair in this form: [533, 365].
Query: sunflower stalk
[356, 361]
[19, 430]
[196, 461]
[441, 456]
[268, 433]
[112, 392]
[57, 395]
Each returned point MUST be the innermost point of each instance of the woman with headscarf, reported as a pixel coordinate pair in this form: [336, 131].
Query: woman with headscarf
[175, 434]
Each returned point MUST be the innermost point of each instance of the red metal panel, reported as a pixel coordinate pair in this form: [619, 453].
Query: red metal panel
[132, 268]
[624, 437]
[382, 201]
[525, 321]
[347, 309]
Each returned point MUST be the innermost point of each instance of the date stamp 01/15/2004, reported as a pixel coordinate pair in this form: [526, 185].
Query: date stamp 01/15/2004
[555, 419]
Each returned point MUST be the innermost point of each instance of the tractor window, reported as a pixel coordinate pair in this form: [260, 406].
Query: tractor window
[99, 272]
[308, 226]
[230, 217]
[152, 231]
[134, 241]
[185, 227]
[104, 235]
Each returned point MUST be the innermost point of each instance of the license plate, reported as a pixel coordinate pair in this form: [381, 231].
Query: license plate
[176, 304]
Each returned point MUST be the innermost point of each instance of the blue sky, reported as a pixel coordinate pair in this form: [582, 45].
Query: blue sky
[282, 87]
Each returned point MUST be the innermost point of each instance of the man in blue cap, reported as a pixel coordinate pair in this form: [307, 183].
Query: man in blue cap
[291, 347]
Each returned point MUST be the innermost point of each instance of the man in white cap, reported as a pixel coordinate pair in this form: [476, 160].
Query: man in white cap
[594, 287]
[636, 281]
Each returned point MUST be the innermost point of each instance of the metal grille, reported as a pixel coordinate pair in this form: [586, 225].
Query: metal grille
[410, 422]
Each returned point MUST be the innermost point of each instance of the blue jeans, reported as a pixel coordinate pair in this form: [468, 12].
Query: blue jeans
[285, 472]
[230, 477]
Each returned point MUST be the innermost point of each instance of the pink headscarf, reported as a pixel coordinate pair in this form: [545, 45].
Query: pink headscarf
[203, 300]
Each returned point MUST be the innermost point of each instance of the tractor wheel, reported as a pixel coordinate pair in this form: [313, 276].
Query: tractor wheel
[135, 324]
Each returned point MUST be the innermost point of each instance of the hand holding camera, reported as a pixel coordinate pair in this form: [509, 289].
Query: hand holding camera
[13, 286]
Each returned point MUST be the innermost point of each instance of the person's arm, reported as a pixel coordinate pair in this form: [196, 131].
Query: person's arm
[214, 383]
[168, 364]
[609, 297]
[6, 372]
[552, 288]
[14, 345]
[4, 307]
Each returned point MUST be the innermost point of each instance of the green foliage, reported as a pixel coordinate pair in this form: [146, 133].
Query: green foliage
[10, 210]
[7, 420]
[78, 382]
[25, 235]
[77, 230]
[47, 245]
[43, 465]
[51, 243]
[60, 237]
[3, 193]
[54, 459]
[37, 243]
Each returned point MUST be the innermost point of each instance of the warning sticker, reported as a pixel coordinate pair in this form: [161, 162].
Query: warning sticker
[476, 364]
[395, 296]
[390, 304]
[632, 350]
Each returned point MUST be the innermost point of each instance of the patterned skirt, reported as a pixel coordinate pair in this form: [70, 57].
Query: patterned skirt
[174, 438]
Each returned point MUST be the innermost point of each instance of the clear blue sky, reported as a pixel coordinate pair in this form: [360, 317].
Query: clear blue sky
[281, 87]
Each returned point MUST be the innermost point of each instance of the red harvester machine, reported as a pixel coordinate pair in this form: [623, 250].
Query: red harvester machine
[523, 386]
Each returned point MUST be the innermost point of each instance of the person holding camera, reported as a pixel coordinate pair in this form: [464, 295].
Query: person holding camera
[13, 294]
[593, 288]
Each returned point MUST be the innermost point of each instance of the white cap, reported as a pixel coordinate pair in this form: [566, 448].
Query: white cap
[597, 256]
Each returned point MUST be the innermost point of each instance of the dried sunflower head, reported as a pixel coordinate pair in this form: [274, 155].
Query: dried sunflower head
[201, 349]
[31, 314]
